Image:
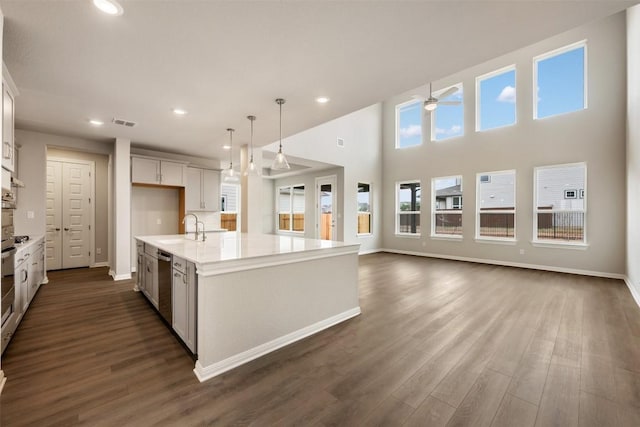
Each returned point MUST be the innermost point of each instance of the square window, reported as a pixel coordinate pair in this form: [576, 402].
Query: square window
[409, 124]
[485, 179]
[496, 206]
[447, 121]
[560, 79]
[559, 214]
[496, 99]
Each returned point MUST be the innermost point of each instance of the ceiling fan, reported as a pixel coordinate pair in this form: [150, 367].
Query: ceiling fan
[431, 103]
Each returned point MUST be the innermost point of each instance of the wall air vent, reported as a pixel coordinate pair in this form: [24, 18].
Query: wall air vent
[340, 142]
[121, 122]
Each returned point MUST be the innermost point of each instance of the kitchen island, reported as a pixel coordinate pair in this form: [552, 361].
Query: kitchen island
[259, 292]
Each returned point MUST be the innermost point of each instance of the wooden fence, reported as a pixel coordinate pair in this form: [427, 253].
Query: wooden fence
[228, 221]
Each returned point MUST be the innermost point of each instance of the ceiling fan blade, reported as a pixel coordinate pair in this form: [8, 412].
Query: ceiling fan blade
[448, 92]
[449, 102]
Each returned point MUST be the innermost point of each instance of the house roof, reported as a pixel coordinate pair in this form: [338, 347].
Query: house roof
[449, 191]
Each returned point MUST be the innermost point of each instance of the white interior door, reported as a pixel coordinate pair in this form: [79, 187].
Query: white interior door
[69, 214]
[326, 211]
[53, 237]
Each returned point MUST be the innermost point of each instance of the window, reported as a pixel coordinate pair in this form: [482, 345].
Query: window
[291, 208]
[496, 99]
[496, 205]
[408, 208]
[364, 208]
[409, 124]
[229, 214]
[447, 206]
[560, 79]
[447, 121]
[559, 218]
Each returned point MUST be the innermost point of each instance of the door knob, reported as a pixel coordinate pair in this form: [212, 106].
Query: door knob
[57, 228]
[66, 229]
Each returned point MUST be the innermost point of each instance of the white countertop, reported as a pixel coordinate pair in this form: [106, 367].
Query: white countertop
[25, 245]
[234, 246]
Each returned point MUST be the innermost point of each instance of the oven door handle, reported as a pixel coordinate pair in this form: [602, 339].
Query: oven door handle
[6, 254]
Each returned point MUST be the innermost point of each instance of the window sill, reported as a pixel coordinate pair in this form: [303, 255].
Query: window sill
[408, 235]
[452, 237]
[559, 245]
[496, 241]
[364, 235]
[295, 233]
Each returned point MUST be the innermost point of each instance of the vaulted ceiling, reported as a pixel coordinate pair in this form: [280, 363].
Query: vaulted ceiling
[224, 60]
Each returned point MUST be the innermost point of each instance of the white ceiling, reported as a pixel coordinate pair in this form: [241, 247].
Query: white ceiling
[224, 60]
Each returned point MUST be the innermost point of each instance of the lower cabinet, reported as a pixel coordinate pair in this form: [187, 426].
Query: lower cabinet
[140, 267]
[184, 289]
[151, 279]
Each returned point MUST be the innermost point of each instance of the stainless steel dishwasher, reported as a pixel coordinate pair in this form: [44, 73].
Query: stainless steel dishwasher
[164, 285]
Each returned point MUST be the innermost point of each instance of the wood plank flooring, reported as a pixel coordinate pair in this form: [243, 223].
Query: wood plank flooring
[439, 343]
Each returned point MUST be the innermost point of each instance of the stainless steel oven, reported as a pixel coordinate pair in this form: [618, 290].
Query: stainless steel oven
[7, 286]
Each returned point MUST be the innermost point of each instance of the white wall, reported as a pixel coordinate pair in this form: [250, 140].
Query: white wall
[595, 135]
[633, 149]
[32, 171]
[360, 158]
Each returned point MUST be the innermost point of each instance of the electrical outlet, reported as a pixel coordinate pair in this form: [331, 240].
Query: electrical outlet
[521, 251]
[98, 251]
[30, 215]
[158, 221]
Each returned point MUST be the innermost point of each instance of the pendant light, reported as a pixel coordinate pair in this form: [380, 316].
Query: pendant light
[280, 162]
[252, 168]
[229, 175]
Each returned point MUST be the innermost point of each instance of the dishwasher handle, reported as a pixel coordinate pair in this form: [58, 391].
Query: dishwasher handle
[164, 256]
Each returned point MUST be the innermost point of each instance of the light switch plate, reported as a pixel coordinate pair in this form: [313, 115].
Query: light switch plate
[30, 215]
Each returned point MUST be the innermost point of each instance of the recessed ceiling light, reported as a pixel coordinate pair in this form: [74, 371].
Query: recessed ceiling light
[110, 7]
[96, 122]
[226, 147]
[179, 111]
[322, 100]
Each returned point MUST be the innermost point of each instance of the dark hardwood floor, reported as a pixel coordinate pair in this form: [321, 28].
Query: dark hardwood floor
[438, 343]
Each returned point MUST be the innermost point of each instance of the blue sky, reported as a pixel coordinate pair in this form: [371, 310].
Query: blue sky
[449, 119]
[561, 83]
[497, 101]
[410, 128]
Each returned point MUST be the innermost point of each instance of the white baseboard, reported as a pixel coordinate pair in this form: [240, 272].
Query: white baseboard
[635, 293]
[207, 372]
[512, 264]
[117, 277]
[100, 264]
[370, 251]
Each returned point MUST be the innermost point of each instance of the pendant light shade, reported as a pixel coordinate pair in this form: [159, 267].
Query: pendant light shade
[252, 168]
[229, 175]
[280, 162]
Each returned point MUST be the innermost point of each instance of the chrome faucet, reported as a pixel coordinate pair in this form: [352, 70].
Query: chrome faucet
[197, 221]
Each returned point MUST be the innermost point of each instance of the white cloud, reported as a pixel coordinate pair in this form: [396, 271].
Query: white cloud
[412, 130]
[508, 94]
[453, 130]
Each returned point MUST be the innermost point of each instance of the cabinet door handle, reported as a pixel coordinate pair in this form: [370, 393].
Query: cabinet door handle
[7, 151]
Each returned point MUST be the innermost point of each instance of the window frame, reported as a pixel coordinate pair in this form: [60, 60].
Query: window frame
[559, 243]
[551, 54]
[434, 113]
[291, 211]
[490, 75]
[497, 239]
[398, 107]
[434, 204]
[358, 234]
[398, 212]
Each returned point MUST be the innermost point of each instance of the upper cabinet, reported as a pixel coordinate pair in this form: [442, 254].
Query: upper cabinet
[8, 109]
[145, 170]
[202, 192]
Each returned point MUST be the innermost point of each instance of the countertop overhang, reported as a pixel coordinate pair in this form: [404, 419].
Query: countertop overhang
[227, 252]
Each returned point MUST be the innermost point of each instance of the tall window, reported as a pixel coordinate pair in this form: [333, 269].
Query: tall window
[560, 78]
[364, 208]
[408, 207]
[291, 208]
[447, 121]
[496, 205]
[447, 206]
[560, 203]
[496, 99]
[409, 124]
[229, 204]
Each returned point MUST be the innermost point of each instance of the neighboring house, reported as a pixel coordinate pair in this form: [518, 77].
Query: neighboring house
[449, 198]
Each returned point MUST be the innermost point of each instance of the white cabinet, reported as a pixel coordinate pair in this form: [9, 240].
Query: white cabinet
[146, 170]
[140, 267]
[8, 142]
[184, 301]
[36, 269]
[23, 296]
[202, 192]
[151, 276]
